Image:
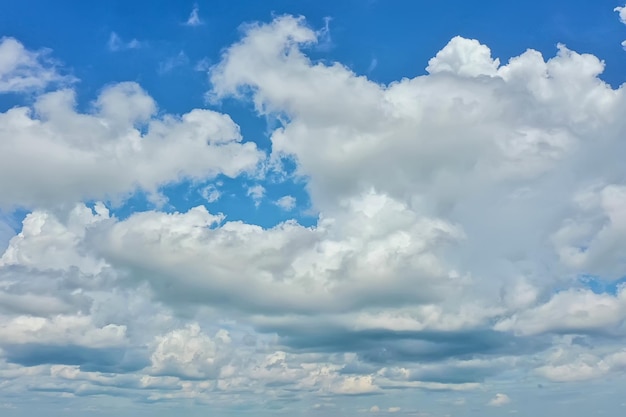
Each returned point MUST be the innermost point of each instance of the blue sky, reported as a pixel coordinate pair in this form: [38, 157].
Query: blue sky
[312, 208]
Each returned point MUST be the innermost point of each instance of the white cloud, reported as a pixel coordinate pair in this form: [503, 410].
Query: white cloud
[499, 400]
[257, 192]
[497, 150]
[115, 43]
[60, 330]
[465, 58]
[574, 311]
[178, 60]
[367, 255]
[32, 247]
[52, 154]
[585, 366]
[592, 238]
[622, 13]
[189, 353]
[23, 70]
[194, 17]
[355, 385]
[210, 193]
[286, 202]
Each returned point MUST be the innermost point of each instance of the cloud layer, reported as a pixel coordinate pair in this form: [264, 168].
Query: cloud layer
[462, 215]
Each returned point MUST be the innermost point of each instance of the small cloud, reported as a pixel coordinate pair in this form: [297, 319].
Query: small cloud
[256, 192]
[203, 65]
[194, 17]
[373, 65]
[158, 199]
[622, 18]
[325, 42]
[286, 203]
[499, 400]
[116, 43]
[393, 409]
[320, 406]
[459, 401]
[622, 13]
[169, 64]
[374, 409]
[210, 193]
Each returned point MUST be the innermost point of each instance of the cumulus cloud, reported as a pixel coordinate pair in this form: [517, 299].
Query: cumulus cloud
[118, 148]
[288, 267]
[579, 365]
[189, 353]
[286, 202]
[22, 70]
[572, 311]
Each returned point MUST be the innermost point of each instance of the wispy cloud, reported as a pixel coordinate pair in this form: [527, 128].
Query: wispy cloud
[194, 17]
[116, 43]
[22, 70]
[178, 60]
[373, 65]
[257, 192]
[210, 193]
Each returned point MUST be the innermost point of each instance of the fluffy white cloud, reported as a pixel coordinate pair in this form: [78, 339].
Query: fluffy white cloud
[377, 253]
[592, 239]
[46, 243]
[348, 133]
[189, 353]
[52, 154]
[286, 202]
[464, 57]
[497, 152]
[23, 70]
[575, 365]
[572, 311]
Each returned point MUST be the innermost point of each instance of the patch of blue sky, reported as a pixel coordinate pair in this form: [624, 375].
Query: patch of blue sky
[602, 286]
[225, 195]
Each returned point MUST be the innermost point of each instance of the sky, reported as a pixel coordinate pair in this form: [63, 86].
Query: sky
[312, 208]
